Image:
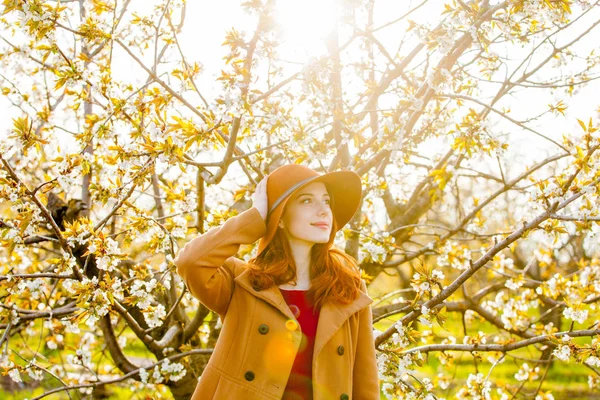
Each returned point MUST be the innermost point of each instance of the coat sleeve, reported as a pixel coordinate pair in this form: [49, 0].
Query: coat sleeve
[365, 383]
[206, 262]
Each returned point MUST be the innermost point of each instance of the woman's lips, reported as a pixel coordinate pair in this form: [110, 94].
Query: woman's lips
[322, 226]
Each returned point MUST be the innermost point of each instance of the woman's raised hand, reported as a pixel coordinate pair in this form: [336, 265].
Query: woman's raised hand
[259, 199]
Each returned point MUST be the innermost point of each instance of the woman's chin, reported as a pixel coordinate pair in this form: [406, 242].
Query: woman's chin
[318, 240]
[323, 239]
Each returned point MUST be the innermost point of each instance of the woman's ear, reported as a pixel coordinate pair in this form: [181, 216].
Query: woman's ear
[280, 224]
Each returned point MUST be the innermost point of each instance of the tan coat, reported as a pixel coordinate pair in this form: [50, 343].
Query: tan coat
[260, 336]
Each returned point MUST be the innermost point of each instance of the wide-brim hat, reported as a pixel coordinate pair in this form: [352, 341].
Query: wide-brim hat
[343, 186]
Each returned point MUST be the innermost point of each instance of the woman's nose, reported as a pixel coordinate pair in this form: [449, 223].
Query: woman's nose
[324, 209]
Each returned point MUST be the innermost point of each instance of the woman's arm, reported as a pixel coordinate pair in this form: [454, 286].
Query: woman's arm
[365, 383]
[204, 263]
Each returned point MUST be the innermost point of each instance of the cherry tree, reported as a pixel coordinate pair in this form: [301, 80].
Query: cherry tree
[469, 122]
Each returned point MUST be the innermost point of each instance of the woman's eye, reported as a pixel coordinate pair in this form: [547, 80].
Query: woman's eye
[304, 201]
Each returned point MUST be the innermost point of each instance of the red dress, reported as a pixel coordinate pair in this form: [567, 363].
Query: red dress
[299, 385]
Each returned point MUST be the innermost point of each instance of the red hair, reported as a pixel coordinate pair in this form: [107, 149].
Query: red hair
[335, 275]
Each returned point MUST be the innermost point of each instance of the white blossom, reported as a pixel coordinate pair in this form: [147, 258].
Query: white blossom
[514, 285]
[575, 315]
[523, 373]
[174, 371]
[35, 373]
[154, 315]
[143, 375]
[593, 361]
[403, 366]
[15, 375]
[70, 327]
[437, 274]
[562, 352]
[141, 291]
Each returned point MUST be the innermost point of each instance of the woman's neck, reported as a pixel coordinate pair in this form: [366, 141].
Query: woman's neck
[301, 253]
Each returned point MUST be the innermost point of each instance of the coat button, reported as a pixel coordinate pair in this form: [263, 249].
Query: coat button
[340, 349]
[263, 329]
[344, 396]
[249, 375]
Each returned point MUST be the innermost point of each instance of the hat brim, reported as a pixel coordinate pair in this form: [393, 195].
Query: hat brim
[345, 188]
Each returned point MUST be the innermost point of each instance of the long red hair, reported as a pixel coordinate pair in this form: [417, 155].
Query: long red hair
[335, 275]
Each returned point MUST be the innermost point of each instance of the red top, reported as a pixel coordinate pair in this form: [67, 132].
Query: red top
[299, 385]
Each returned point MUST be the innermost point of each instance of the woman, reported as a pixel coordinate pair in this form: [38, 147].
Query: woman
[296, 318]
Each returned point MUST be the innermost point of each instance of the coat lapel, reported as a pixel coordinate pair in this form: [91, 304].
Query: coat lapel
[332, 315]
[271, 295]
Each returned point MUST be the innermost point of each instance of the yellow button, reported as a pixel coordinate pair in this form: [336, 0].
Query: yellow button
[291, 325]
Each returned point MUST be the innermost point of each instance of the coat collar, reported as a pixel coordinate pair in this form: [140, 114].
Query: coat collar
[331, 318]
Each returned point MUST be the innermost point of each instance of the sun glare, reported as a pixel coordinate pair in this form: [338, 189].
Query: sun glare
[305, 24]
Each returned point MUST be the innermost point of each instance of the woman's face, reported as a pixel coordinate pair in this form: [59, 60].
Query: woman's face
[308, 216]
